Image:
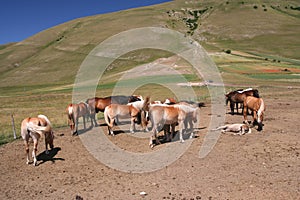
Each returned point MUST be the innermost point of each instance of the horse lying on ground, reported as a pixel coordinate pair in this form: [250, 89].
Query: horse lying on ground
[161, 115]
[97, 104]
[74, 111]
[36, 127]
[238, 129]
[257, 106]
[238, 96]
[130, 110]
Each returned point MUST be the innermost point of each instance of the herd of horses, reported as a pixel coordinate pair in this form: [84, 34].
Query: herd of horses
[161, 115]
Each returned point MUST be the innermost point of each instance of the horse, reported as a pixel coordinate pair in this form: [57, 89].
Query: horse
[258, 108]
[237, 129]
[74, 111]
[97, 104]
[169, 129]
[238, 96]
[131, 110]
[35, 127]
[161, 115]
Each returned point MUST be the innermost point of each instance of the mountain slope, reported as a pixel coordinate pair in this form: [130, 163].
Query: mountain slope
[54, 55]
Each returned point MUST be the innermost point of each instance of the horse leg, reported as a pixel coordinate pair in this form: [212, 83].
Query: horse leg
[75, 127]
[46, 144]
[232, 107]
[255, 118]
[245, 110]
[166, 128]
[35, 144]
[192, 128]
[27, 151]
[153, 136]
[110, 126]
[132, 125]
[180, 126]
[237, 107]
[83, 117]
[93, 119]
[172, 133]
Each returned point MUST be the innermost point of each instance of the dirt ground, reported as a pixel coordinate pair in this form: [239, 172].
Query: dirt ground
[260, 165]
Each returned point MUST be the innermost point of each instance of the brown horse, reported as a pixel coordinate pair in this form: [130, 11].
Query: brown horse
[238, 96]
[258, 107]
[74, 111]
[35, 127]
[161, 115]
[97, 104]
[131, 110]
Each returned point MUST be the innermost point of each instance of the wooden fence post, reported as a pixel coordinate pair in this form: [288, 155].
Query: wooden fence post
[13, 126]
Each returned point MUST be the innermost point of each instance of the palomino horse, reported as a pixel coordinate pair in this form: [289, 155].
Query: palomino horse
[131, 110]
[74, 111]
[161, 115]
[97, 104]
[238, 96]
[258, 107]
[35, 127]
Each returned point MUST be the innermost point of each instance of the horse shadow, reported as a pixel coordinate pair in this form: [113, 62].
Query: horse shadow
[186, 135]
[82, 131]
[50, 156]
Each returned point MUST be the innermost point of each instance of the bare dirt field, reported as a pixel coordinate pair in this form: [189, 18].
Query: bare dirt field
[260, 165]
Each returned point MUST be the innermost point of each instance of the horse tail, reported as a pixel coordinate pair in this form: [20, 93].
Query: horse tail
[46, 119]
[146, 104]
[38, 129]
[106, 118]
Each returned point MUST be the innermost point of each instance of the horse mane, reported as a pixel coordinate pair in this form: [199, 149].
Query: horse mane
[185, 108]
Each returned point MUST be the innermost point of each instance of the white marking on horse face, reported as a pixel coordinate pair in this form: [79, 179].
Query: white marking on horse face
[259, 112]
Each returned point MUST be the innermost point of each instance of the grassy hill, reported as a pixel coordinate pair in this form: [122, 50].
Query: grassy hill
[258, 36]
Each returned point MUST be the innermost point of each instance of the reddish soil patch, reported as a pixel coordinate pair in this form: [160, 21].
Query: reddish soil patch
[261, 165]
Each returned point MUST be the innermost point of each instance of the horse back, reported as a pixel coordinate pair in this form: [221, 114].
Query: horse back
[253, 103]
[31, 120]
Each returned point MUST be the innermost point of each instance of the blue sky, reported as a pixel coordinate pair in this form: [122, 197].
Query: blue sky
[20, 19]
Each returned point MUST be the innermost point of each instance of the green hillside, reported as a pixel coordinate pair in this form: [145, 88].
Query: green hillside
[54, 55]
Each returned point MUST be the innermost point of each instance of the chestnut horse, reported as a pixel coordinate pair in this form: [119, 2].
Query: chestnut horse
[258, 107]
[35, 127]
[161, 115]
[97, 104]
[131, 110]
[74, 111]
[238, 96]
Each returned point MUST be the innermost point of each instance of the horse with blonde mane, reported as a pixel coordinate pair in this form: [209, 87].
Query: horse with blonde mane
[74, 112]
[131, 110]
[258, 107]
[36, 127]
[161, 115]
[97, 104]
[238, 96]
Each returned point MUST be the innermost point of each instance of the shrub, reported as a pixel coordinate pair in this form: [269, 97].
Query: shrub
[228, 51]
